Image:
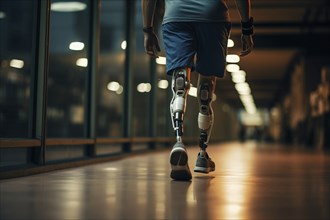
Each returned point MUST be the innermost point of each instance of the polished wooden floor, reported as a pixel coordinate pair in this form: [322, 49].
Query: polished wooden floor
[251, 181]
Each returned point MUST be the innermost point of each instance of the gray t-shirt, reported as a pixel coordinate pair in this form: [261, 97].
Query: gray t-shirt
[196, 11]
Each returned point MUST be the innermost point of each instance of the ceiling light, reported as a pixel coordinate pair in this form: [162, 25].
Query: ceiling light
[161, 60]
[251, 119]
[232, 67]
[251, 110]
[76, 46]
[144, 87]
[123, 45]
[232, 58]
[113, 86]
[230, 43]
[246, 98]
[19, 64]
[163, 84]
[238, 73]
[120, 90]
[2, 15]
[243, 88]
[238, 78]
[193, 91]
[83, 62]
[68, 6]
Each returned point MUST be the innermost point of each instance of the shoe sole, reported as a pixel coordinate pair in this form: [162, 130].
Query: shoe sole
[178, 157]
[179, 164]
[203, 169]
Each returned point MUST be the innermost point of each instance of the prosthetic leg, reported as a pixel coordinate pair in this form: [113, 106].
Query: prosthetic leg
[205, 90]
[178, 157]
[206, 87]
[180, 89]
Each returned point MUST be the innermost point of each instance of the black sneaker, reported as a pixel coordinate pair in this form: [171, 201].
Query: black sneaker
[179, 163]
[204, 164]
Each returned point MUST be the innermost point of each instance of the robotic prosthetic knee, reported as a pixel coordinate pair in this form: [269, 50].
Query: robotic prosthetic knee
[180, 89]
[206, 86]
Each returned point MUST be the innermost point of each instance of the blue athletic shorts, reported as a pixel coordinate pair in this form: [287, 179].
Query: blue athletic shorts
[206, 40]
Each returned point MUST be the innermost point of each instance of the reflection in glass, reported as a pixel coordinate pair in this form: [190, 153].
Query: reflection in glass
[164, 95]
[16, 66]
[111, 73]
[141, 80]
[68, 70]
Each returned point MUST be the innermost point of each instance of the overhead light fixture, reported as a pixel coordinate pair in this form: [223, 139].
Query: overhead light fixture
[2, 15]
[161, 60]
[123, 45]
[15, 63]
[230, 43]
[113, 86]
[120, 90]
[232, 58]
[248, 103]
[72, 6]
[192, 91]
[82, 62]
[246, 98]
[251, 109]
[239, 76]
[144, 87]
[238, 73]
[243, 88]
[76, 46]
[163, 84]
[232, 67]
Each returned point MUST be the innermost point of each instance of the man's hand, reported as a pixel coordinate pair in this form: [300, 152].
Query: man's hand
[247, 44]
[151, 44]
[246, 38]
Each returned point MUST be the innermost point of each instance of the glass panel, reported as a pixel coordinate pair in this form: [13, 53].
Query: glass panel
[18, 28]
[65, 153]
[141, 80]
[112, 69]
[13, 157]
[164, 95]
[108, 149]
[68, 62]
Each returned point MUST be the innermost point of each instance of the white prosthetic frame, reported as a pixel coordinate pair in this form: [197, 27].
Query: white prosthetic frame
[205, 116]
[180, 89]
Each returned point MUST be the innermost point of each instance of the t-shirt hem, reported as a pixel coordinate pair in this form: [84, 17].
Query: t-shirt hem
[194, 20]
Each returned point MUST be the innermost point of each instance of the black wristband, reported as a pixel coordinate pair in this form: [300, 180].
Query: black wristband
[148, 30]
[247, 27]
[247, 31]
[247, 24]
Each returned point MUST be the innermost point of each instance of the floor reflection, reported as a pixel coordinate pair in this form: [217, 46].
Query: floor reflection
[201, 192]
[180, 201]
[250, 182]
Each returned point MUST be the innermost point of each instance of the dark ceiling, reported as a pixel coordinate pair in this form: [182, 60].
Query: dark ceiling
[284, 29]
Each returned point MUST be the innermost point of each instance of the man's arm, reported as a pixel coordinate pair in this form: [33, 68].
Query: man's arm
[244, 9]
[148, 12]
[151, 44]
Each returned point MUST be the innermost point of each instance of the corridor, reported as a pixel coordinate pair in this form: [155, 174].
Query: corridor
[252, 181]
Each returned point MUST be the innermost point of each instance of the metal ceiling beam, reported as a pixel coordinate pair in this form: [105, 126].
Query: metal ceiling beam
[303, 40]
[283, 4]
[313, 24]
